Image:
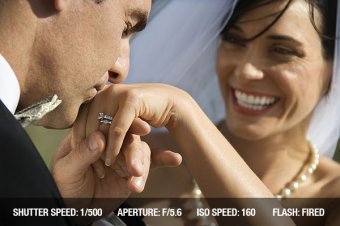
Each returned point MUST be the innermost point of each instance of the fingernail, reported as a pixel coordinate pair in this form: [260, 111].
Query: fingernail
[138, 181]
[108, 162]
[93, 145]
[138, 164]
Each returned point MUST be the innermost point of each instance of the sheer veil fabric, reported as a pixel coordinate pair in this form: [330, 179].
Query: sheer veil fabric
[178, 47]
[324, 129]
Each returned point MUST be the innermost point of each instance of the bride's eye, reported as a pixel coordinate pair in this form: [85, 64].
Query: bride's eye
[284, 51]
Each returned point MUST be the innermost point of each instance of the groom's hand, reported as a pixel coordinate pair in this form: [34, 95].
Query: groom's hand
[76, 178]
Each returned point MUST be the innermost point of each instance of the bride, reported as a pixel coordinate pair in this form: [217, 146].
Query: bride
[275, 71]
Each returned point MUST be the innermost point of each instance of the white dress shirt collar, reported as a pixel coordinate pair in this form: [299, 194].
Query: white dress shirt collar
[9, 86]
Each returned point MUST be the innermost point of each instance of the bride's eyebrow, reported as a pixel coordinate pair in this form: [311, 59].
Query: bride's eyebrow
[284, 38]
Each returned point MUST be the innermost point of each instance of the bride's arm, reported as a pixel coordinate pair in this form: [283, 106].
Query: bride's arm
[216, 166]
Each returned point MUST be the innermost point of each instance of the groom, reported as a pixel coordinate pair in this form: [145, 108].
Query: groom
[55, 55]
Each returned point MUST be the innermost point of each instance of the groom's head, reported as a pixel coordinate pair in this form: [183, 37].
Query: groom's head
[68, 47]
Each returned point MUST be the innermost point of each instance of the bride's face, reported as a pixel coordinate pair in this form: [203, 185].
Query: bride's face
[272, 84]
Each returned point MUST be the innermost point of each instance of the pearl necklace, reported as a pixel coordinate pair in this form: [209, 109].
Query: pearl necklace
[198, 202]
[294, 184]
[310, 166]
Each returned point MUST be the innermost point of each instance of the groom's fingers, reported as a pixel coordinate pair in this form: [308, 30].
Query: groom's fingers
[99, 168]
[86, 153]
[137, 184]
[76, 163]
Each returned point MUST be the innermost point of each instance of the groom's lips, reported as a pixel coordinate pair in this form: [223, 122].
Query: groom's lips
[102, 82]
[96, 88]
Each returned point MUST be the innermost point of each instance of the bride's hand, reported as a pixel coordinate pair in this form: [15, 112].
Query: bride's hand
[131, 106]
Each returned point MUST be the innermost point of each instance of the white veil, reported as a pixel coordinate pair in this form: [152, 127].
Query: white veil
[180, 35]
[178, 47]
[324, 129]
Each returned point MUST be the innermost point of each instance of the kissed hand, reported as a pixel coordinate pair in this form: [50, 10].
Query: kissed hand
[80, 173]
[154, 103]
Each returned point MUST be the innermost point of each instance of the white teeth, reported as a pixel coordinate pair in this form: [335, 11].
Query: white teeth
[253, 102]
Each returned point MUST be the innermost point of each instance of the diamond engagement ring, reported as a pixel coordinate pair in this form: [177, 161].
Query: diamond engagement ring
[103, 118]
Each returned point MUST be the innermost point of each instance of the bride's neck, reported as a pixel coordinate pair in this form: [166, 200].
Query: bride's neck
[268, 156]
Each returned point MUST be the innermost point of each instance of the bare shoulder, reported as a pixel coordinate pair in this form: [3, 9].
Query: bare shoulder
[329, 176]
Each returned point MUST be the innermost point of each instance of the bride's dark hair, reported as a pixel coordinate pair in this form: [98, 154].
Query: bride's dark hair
[326, 30]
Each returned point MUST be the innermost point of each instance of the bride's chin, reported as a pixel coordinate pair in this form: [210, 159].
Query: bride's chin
[247, 134]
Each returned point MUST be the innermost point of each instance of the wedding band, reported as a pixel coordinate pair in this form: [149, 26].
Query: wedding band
[103, 118]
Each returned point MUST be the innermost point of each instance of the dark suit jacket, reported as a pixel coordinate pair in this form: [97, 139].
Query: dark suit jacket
[25, 181]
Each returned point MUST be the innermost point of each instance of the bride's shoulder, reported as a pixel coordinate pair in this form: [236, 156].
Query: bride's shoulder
[329, 175]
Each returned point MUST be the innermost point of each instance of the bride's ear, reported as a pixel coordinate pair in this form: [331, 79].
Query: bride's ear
[60, 5]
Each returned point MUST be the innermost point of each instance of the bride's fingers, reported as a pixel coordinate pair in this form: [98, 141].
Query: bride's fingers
[134, 155]
[165, 158]
[121, 123]
[137, 184]
[140, 127]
